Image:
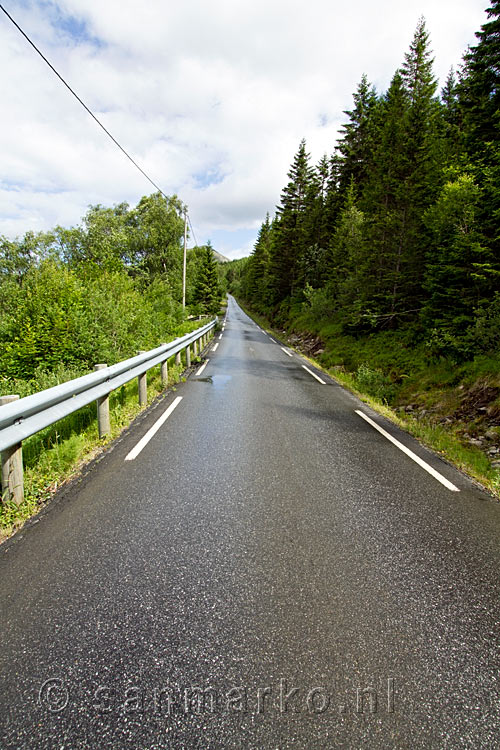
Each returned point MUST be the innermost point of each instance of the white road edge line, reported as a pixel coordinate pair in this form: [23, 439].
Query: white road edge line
[220, 337]
[314, 375]
[202, 367]
[286, 351]
[215, 347]
[153, 430]
[409, 453]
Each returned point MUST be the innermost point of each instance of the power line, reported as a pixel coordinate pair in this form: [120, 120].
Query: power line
[89, 110]
[194, 236]
[82, 102]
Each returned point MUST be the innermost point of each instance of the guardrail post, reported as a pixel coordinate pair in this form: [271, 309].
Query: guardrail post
[164, 372]
[12, 466]
[188, 356]
[143, 385]
[178, 358]
[103, 423]
[195, 347]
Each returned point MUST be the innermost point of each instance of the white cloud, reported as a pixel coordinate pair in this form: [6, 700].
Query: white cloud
[194, 91]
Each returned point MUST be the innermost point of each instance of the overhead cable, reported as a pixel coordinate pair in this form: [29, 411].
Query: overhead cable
[89, 110]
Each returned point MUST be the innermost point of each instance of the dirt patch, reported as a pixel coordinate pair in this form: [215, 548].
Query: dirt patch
[307, 344]
[478, 402]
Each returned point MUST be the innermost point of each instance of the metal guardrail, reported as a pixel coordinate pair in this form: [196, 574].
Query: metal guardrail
[24, 417]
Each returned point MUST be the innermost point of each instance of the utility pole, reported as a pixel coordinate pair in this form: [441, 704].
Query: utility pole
[184, 263]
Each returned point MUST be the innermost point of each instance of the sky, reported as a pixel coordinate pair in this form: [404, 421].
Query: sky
[210, 98]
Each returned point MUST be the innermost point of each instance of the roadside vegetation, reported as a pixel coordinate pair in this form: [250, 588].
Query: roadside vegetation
[382, 261]
[96, 293]
[453, 410]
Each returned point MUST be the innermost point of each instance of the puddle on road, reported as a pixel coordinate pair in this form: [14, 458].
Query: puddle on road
[219, 381]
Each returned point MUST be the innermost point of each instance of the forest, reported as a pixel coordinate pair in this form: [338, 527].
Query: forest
[396, 234]
[98, 292]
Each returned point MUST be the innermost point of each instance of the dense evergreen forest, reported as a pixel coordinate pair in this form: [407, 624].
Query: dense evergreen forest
[98, 292]
[399, 229]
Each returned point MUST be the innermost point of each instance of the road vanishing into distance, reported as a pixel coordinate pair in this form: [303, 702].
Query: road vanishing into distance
[266, 570]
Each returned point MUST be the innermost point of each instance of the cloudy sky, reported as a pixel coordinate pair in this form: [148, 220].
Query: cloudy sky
[211, 98]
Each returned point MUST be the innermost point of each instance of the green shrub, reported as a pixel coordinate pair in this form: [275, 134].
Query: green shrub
[375, 383]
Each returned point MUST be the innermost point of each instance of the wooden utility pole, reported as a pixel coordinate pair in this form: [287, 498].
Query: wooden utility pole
[184, 263]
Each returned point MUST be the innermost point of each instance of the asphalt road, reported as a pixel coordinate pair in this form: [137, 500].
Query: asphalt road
[270, 571]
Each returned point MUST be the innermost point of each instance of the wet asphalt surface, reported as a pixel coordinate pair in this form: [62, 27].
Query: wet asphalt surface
[269, 572]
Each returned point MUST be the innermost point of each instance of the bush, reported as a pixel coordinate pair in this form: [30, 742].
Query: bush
[375, 383]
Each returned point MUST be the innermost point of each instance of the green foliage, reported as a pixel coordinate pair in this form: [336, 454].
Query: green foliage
[460, 273]
[375, 383]
[400, 228]
[97, 293]
[207, 293]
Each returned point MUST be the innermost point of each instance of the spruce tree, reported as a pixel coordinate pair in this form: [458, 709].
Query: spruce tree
[347, 261]
[460, 272]
[257, 269]
[291, 227]
[403, 182]
[316, 235]
[480, 90]
[207, 292]
[480, 104]
[452, 131]
[355, 147]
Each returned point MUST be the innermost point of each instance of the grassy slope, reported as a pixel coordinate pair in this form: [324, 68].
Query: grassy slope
[454, 409]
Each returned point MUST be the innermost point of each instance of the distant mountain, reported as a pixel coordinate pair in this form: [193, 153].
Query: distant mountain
[221, 258]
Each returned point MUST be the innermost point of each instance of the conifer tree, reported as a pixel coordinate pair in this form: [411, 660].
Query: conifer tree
[291, 228]
[452, 132]
[207, 292]
[312, 267]
[460, 273]
[347, 259]
[403, 181]
[480, 104]
[480, 90]
[355, 147]
[385, 201]
[257, 269]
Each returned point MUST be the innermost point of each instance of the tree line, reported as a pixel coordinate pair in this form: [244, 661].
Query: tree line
[399, 227]
[98, 292]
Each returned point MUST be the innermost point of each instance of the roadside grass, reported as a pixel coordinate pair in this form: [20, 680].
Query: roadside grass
[381, 372]
[60, 452]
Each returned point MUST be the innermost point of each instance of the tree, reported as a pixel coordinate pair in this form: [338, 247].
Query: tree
[355, 147]
[460, 274]
[104, 241]
[480, 87]
[206, 292]
[347, 258]
[403, 181]
[480, 104]
[156, 235]
[452, 131]
[291, 235]
[256, 273]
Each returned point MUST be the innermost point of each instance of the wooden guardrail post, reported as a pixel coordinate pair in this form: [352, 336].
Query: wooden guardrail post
[12, 466]
[103, 422]
[143, 385]
[164, 372]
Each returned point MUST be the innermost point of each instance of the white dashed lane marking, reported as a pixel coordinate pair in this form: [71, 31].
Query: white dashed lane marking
[314, 375]
[153, 430]
[409, 453]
